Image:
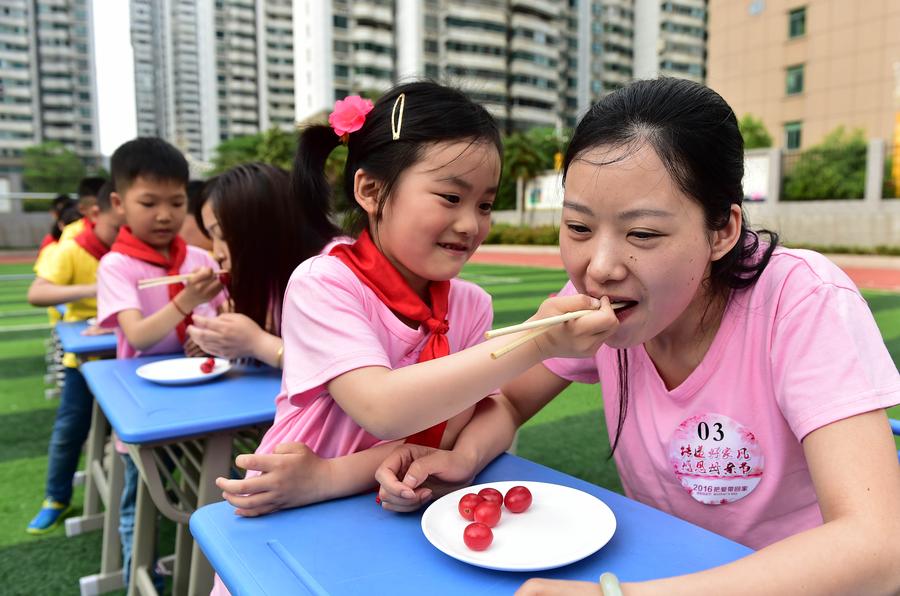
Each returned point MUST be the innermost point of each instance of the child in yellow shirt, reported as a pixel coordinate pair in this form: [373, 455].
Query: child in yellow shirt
[69, 275]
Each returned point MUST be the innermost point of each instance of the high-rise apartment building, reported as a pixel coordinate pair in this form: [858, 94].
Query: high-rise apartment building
[806, 68]
[530, 62]
[47, 80]
[208, 70]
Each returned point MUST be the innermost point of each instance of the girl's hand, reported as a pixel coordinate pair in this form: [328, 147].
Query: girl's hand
[293, 476]
[230, 335]
[578, 338]
[413, 475]
[192, 350]
[202, 286]
[554, 587]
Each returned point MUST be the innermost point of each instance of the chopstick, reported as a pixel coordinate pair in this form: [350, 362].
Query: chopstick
[152, 282]
[540, 327]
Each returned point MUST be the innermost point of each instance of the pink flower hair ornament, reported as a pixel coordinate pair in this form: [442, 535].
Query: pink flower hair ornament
[349, 115]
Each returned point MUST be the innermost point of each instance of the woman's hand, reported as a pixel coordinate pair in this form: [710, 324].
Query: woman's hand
[230, 335]
[413, 475]
[292, 476]
[555, 587]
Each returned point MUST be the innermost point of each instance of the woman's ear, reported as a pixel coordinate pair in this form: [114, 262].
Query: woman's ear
[724, 240]
[365, 191]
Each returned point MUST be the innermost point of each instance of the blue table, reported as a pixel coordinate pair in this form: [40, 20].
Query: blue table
[191, 428]
[352, 546]
[84, 346]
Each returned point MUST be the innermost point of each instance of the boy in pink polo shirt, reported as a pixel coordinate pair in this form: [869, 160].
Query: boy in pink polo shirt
[150, 178]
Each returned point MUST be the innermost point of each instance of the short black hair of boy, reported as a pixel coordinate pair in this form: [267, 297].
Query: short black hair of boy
[103, 200]
[90, 186]
[147, 157]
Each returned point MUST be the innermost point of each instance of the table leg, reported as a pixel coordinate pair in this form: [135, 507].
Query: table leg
[143, 545]
[108, 489]
[216, 462]
[183, 544]
[92, 516]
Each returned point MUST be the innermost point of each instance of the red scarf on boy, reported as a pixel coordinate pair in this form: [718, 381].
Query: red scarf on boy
[129, 244]
[378, 273]
[89, 241]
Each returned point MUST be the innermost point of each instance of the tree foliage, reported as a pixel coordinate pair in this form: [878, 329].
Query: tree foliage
[274, 146]
[754, 132]
[833, 169]
[526, 155]
[52, 167]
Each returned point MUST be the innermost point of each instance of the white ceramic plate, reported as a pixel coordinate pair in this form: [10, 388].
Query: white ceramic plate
[563, 525]
[181, 371]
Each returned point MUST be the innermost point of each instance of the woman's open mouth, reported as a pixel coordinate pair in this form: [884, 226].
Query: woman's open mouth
[624, 307]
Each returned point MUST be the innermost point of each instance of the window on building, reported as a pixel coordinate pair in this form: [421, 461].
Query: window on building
[794, 80]
[792, 131]
[797, 23]
[340, 21]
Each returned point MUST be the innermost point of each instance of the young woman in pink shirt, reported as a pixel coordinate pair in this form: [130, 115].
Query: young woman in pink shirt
[744, 385]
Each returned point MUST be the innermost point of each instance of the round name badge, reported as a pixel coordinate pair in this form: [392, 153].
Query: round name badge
[716, 459]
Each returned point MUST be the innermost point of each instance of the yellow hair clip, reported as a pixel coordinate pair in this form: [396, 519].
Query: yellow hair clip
[397, 121]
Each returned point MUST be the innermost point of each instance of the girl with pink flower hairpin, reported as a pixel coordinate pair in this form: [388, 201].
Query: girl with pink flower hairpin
[363, 324]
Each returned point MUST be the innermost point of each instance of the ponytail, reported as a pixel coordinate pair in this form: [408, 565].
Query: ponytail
[310, 186]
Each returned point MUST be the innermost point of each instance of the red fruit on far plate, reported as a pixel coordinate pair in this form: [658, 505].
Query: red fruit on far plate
[467, 505]
[488, 513]
[517, 499]
[208, 365]
[478, 536]
[491, 494]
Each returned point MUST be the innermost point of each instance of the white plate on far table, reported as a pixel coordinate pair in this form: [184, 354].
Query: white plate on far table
[563, 525]
[181, 371]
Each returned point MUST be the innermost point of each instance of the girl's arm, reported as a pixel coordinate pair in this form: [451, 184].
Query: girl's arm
[233, 335]
[405, 476]
[854, 468]
[294, 476]
[391, 404]
[145, 332]
[43, 292]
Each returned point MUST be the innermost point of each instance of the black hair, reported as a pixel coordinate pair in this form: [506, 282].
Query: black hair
[267, 236]
[70, 214]
[90, 186]
[195, 200]
[147, 157]
[695, 134]
[194, 194]
[60, 202]
[431, 113]
[103, 200]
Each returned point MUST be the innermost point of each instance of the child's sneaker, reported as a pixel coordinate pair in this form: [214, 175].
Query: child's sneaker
[50, 515]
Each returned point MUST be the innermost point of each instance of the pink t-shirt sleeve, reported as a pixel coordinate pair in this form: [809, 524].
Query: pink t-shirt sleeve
[581, 370]
[326, 327]
[116, 289]
[829, 361]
